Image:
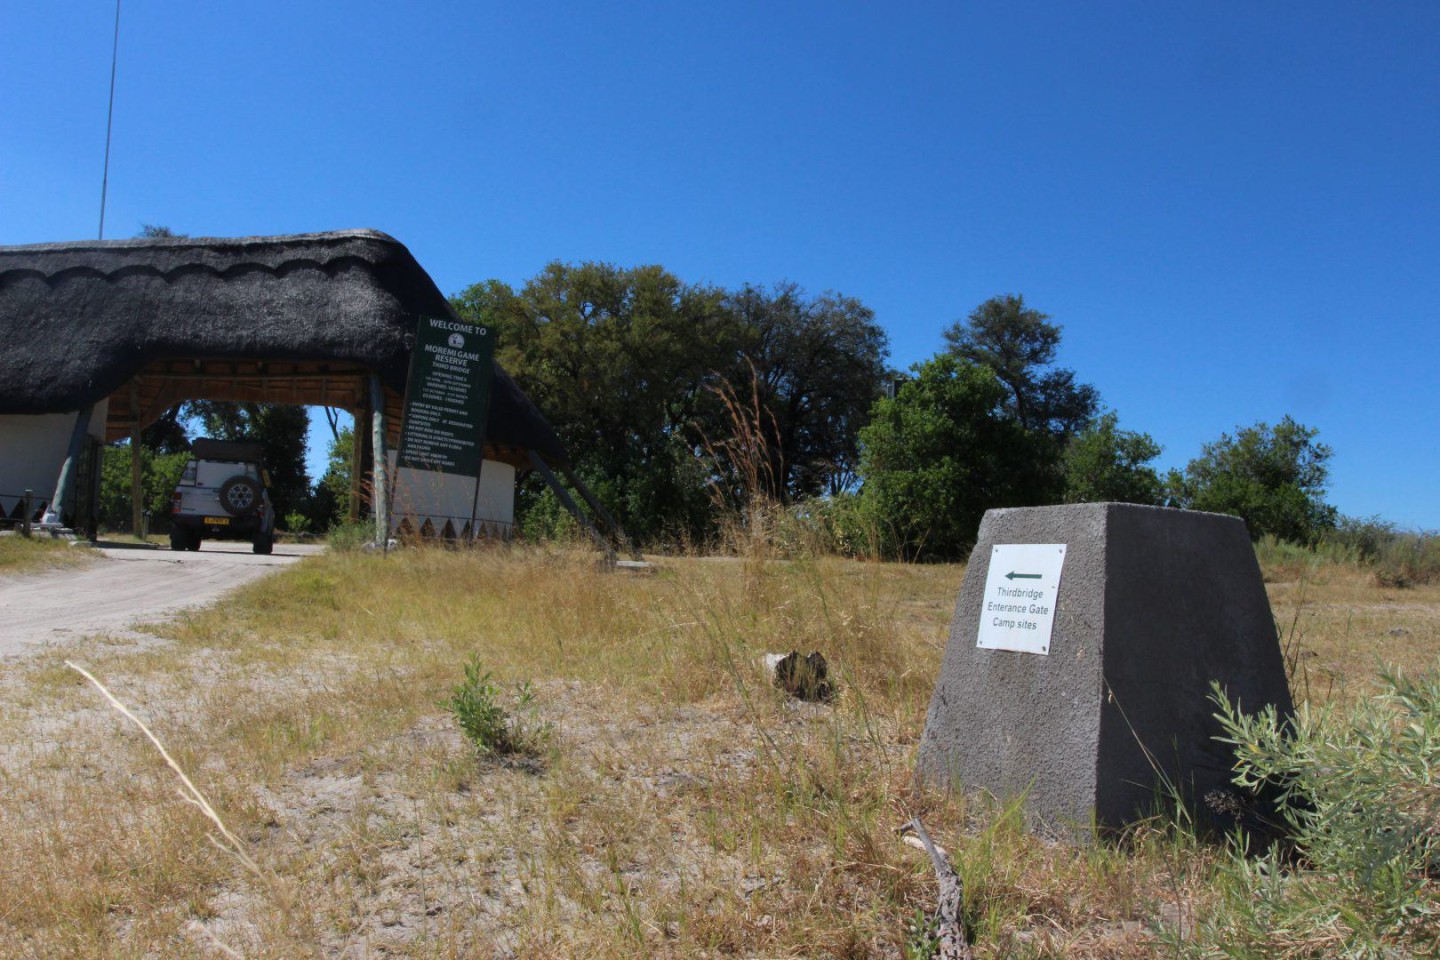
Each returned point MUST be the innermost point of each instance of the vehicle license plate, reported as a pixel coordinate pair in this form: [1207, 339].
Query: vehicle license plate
[218, 521]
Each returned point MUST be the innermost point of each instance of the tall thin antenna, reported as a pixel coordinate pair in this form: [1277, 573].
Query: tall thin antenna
[109, 120]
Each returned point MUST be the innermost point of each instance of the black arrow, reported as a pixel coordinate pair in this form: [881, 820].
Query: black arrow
[1012, 575]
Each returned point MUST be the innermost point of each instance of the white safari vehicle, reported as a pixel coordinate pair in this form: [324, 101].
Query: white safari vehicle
[223, 495]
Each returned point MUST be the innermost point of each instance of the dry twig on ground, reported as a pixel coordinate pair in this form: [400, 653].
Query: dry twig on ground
[951, 935]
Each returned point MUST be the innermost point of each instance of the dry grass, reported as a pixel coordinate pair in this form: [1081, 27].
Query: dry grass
[1339, 628]
[686, 808]
[21, 555]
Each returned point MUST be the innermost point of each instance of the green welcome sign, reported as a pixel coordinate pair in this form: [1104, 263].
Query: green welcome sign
[447, 401]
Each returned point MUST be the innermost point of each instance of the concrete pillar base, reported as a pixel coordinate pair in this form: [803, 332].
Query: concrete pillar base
[1152, 606]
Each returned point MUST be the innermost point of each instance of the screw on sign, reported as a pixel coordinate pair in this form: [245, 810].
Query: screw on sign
[1022, 589]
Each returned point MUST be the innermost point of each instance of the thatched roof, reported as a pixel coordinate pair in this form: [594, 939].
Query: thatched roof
[80, 320]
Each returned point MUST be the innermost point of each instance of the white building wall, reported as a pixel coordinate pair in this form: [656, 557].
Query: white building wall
[32, 450]
[422, 495]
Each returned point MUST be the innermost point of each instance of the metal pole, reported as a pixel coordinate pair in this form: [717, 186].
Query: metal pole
[475, 500]
[29, 513]
[54, 513]
[380, 466]
[109, 119]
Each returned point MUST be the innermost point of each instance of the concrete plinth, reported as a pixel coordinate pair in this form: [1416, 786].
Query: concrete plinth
[1152, 605]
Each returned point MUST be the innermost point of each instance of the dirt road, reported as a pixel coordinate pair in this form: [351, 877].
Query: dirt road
[123, 586]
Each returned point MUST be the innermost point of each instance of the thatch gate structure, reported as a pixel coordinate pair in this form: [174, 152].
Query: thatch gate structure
[98, 339]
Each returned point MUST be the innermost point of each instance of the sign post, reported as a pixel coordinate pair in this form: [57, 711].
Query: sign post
[1088, 694]
[447, 400]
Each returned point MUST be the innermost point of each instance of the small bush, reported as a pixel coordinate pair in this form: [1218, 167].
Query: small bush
[1282, 561]
[1362, 539]
[1357, 795]
[475, 704]
[351, 536]
[850, 526]
[1409, 559]
[1396, 559]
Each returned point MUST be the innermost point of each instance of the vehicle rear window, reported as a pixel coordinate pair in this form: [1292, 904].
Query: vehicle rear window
[214, 473]
[189, 475]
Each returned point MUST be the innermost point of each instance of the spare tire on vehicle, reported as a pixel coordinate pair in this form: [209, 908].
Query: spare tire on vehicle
[240, 496]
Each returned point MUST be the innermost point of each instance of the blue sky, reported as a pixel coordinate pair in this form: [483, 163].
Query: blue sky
[1232, 209]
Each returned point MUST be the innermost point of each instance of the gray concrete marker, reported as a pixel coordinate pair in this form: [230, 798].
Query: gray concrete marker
[1152, 605]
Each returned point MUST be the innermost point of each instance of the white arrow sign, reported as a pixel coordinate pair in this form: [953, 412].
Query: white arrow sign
[1021, 590]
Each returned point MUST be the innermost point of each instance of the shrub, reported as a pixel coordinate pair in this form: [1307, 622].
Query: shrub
[1357, 794]
[475, 704]
[1362, 538]
[1408, 560]
[1272, 477]
[1281, 560]
[1104, 463]
[348, 536]
[160, 472]
[944, 451]
[849, 524]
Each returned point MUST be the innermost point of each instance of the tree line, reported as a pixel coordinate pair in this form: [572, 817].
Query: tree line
[680, 402]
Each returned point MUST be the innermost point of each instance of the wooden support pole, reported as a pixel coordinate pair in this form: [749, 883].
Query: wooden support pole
[54, 514]
[380, 494]
[611, 524]
[570, 504]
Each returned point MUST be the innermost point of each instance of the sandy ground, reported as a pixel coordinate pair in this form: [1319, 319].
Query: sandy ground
[126, 584]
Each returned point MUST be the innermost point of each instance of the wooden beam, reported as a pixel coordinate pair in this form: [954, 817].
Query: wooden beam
[611, 524]
[258, 377]
[380, 495]
[570, 504]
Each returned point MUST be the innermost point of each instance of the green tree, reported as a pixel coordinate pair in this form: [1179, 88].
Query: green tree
[159, 472]
[1019, 344]
[1272, 477]
[282, 430]
[168, 434]
[1104, 463]
[818, 367]
[619, 360]
[329, 501]
[939, 454]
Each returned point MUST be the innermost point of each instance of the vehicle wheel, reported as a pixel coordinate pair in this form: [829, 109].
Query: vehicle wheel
[194, 546]
[264, 543]
[240, 496]
[179, 539]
